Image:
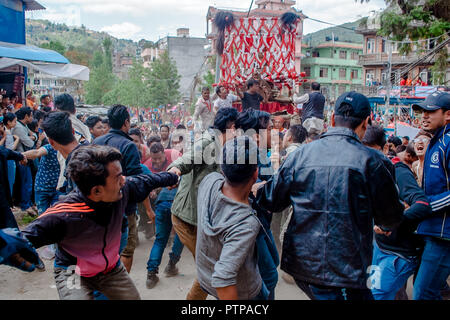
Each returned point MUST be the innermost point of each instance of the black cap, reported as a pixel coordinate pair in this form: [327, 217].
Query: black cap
[359, 103]
[436, 100]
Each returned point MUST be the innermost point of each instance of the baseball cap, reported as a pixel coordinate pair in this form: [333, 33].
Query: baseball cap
[359, 103]
[436, 100]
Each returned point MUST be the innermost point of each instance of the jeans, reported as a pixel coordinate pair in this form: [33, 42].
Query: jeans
[317, 292]
[7, 219]
[188, 236]
[45, 199]
[115, 285]
[11, 174]
[163, 229]
[392, 273]
[266, 262]
[433, 271]
[26, 185]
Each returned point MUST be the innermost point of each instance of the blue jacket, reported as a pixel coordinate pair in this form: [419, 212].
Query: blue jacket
[437, 185]
[131, 159]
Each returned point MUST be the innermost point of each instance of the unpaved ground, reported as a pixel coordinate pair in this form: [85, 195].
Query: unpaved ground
[18, 285]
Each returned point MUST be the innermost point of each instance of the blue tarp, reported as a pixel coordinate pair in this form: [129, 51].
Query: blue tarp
[30, 53]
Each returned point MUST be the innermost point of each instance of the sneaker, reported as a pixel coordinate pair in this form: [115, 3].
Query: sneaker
[171, 269]
[152, 279]
[40, 266]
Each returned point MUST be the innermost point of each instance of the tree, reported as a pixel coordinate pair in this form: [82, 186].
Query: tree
[55, 46]
[134, 91]
[416, 20]
[164, 81]
[101, 79]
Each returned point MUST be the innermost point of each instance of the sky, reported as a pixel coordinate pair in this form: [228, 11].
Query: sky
[155, 19]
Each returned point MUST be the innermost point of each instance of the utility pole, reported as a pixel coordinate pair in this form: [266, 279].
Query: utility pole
[388, 92]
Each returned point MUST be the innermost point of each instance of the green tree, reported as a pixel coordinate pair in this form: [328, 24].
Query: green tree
[55, 46]
[164, 81]
[102, 79]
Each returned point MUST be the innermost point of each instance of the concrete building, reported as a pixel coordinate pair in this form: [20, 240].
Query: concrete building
[265, 8]
[149, 55]
[375, 57]
[334, 65]
[190, 56]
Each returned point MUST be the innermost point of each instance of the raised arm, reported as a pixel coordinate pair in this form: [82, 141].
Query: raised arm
[35, 153]
[139, 186]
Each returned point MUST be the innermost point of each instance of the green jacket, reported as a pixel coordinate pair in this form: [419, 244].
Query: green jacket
[193, 169]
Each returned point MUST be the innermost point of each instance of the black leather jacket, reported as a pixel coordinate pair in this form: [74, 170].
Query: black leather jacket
[338, 188]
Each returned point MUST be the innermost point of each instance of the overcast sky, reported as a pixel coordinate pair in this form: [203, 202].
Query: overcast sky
[154, 19]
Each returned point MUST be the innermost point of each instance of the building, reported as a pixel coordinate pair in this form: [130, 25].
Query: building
[122, 64]
[149, 55]
[375, 57]
[334, 65]
[188, 53]
[265, 8]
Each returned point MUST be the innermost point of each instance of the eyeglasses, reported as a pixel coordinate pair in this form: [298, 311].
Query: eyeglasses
[423, 140]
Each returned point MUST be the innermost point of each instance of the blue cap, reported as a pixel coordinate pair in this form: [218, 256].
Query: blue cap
[436, 100]
[359, 103]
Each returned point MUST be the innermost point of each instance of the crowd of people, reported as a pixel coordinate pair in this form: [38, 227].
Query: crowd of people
[353, 212]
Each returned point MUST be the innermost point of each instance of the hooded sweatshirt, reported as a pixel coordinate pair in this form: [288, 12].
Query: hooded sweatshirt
[226, 234]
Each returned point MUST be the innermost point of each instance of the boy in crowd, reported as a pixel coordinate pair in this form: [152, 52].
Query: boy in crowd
[227, 264]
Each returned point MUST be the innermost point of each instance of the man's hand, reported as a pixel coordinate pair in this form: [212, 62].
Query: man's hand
[153, 194]
[176, 171]
[24, 161]
[378, 230]
[151, 215]
[257, 186]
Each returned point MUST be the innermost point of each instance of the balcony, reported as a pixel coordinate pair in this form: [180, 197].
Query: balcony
[374, 59]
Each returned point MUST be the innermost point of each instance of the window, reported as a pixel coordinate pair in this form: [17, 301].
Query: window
[355, 55]
[323, 73]
[342, 73]
[307, 71]
[354, 74]
[315, 54]
[370, 45]
[342, 54]
[383, 45]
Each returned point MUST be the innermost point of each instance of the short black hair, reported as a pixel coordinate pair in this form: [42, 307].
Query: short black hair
[298, 133]
[58, 127]
[205, 89]
[157, 148]
[252, 119]
[44, 96]
[406, 137]
[117, 116]
[251, 83]
[395, 140]
[239, 160]
[91, 121]
[153, 139]
[8, 117]
[23, 112]
[105, 121]
[64, 102]
[181, 126]
[164, 125]
[46, 109]
[87, 166]
[80, 116]
[224, 119]
[374, 136]
[33, 125]
[410, 149]
[343, 120]
[38, 114]
[400, 148]
[135, 132]
[315, 86]
[218, 89]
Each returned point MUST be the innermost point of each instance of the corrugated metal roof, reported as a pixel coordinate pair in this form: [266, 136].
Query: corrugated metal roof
[31, 5]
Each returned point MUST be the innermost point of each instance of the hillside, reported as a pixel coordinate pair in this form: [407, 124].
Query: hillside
[82, 41]
[343, 35]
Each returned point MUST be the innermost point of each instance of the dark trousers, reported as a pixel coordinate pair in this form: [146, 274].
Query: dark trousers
[317, 292]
